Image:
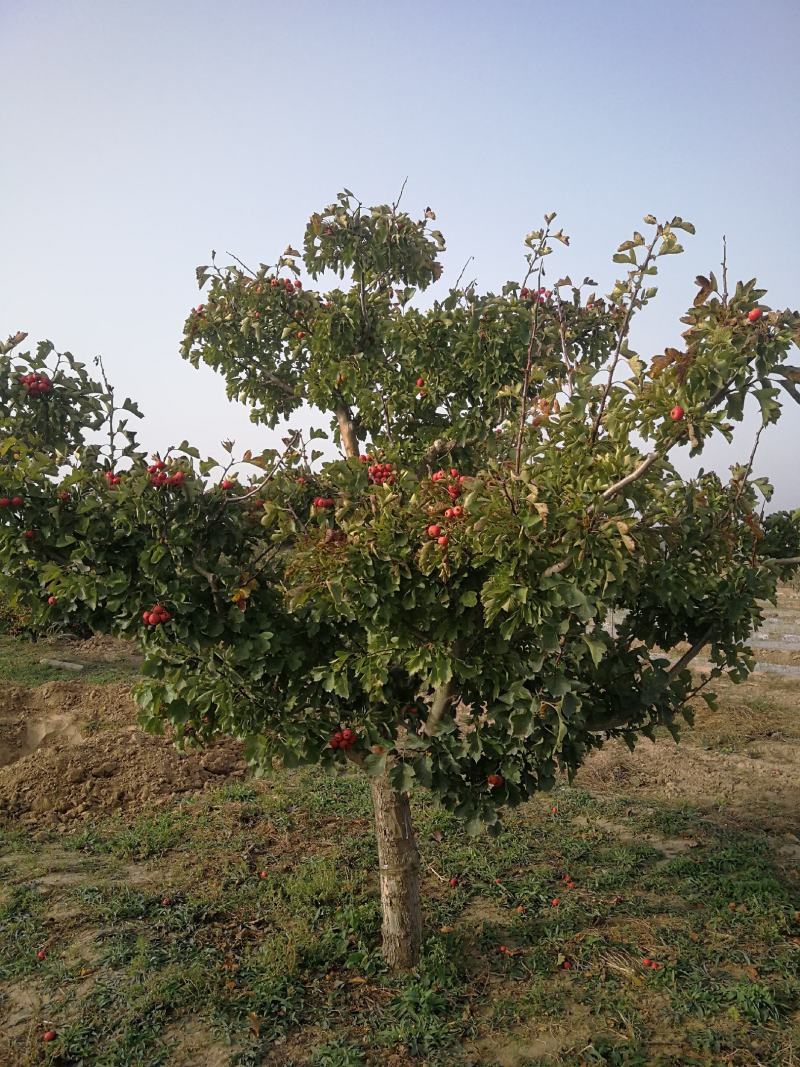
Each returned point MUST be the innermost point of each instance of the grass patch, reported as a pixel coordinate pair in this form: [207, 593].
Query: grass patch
[291, 960]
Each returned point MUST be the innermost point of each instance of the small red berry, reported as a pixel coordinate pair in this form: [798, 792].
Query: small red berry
[495, 781]
[263, 874]
[434, 530]
[299, 335]
[567, 965]
[16, 501]
[646, 961]
[677, 413]
[41, 954]
[226, 483]
[555, 902]
[420, 382]
[442, 541]
[49, 1035]
[453, 883]
[30, 534]
[4, 501]
[755, 314]
[453, 472]
[51, 600]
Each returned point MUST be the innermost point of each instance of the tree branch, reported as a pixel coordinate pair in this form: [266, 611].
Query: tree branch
[442, 700]
[347, 430]
[687, 657]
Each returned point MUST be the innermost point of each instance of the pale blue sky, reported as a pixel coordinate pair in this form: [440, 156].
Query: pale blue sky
[138, 136]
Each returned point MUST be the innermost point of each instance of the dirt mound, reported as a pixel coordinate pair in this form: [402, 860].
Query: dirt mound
[69, 751]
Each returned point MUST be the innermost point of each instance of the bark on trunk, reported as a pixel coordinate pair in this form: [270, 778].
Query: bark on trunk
[347, 430]
[398, 862]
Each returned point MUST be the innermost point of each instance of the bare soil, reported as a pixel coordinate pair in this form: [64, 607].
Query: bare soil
[69, 751]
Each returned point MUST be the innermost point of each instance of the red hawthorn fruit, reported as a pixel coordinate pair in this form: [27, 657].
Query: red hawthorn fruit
[51, 600]
[299, 335]
[448, 513]
[677, 413]
[146, 616]
[495, 781]
[503, 949]
[453, 472]
[226, 483]
[4, 501]
[41, 954]
[17, 501]
[263, 874]
[420, 382]
[165, 902]
[298, 284]
[567, 965]
[442, 541]
[434, 530]
[453, 883]
[30, 534]
[348, 735]
[523, 292]
[49, 1035]
[274, 282]
[755, 314]
[437, 476]
[646, 962]
[555, 902]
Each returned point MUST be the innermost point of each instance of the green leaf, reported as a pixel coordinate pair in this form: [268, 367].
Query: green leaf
[597, 647]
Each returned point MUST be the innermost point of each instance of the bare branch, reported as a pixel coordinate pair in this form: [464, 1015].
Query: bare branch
[347, 430]
[556, 568]
[442, 702]
[687, 657]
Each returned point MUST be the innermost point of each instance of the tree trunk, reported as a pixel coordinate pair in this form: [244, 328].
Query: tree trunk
[398, 862]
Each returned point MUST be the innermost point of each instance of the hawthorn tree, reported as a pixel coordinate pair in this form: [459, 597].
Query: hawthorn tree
[429, 607]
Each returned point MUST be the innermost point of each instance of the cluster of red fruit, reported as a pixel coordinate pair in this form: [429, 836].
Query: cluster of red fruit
[155, 616]
[286, 283]
[36, 384]
[650, 963]
[323, 501]
[159, 476]
[13, 501]
[535, 294]
[494, 781]
[437, 533]
[112, 478]
[454, 513]
[343, 739]
[457, 480]
[379, 472]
